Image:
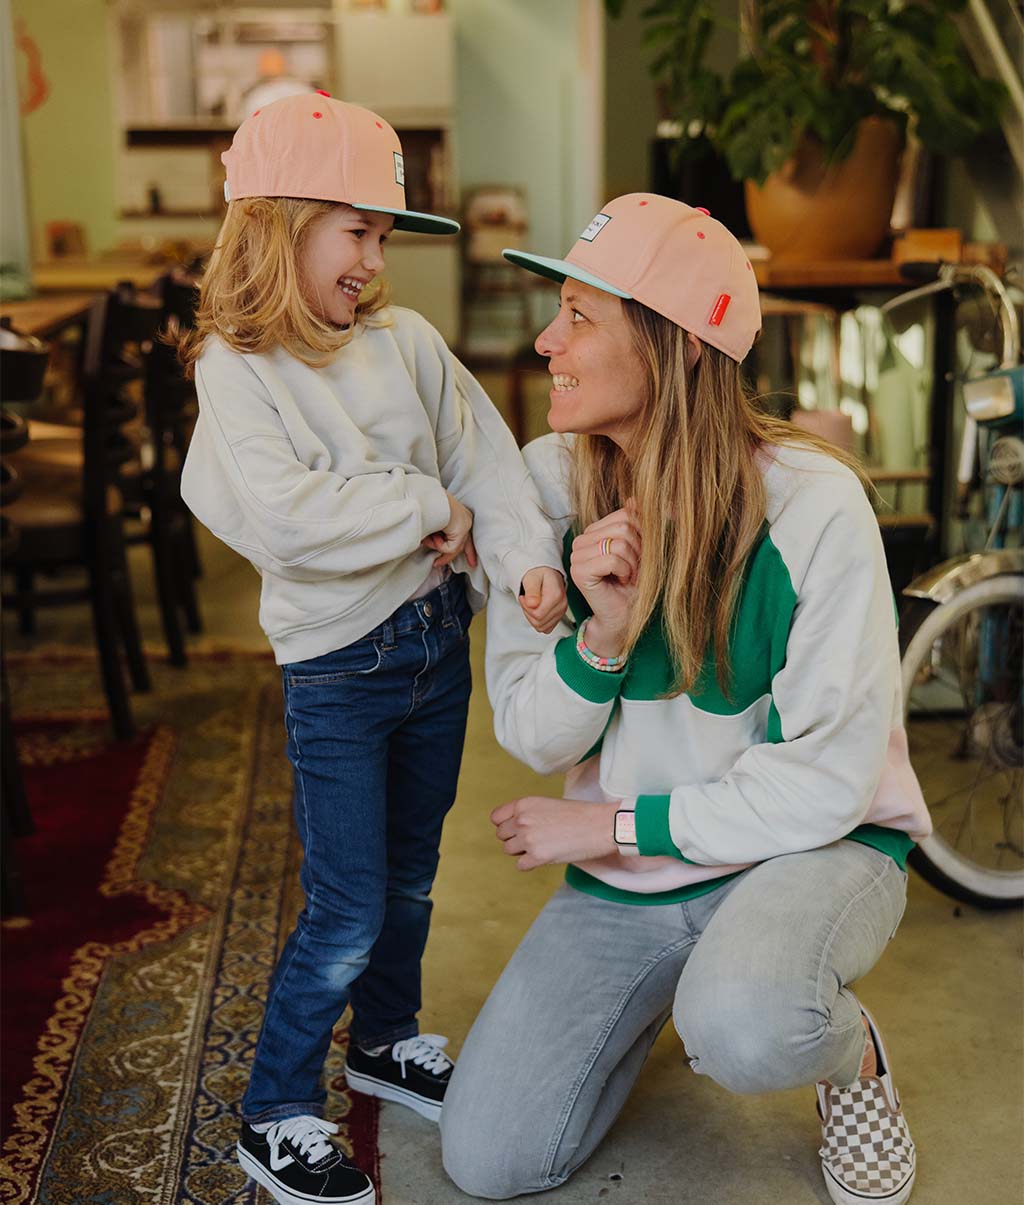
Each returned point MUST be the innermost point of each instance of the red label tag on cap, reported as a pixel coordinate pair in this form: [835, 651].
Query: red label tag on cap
[718, 313]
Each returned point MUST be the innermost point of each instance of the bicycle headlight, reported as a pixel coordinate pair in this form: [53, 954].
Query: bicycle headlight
[996, 399]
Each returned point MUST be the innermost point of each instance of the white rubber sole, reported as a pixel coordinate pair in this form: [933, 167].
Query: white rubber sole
[843, 1196]
[252, 1167]
[370, 1086]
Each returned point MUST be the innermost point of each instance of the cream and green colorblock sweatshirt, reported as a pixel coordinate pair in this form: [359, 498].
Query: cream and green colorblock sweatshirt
[809, 747]
[327, 479]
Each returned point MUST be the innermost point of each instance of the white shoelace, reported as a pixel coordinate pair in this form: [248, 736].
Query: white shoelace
[426, 1050]
[308, 1134]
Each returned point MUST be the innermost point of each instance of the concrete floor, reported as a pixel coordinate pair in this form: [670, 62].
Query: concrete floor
[948, 994]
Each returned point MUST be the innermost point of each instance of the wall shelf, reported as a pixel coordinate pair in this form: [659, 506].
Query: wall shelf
[183, 76]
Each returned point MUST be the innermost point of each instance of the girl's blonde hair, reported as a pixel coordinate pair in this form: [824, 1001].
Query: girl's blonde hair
[251, 295]
[697, 488]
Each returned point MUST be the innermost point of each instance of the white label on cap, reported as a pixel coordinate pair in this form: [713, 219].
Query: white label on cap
[595, 227]
[227, 191]
[399, 169]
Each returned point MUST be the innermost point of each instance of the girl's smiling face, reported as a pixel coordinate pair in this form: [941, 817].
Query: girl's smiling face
[341, 254]
[598, 378]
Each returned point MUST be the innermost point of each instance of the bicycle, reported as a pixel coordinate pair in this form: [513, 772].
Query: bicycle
[962, 635]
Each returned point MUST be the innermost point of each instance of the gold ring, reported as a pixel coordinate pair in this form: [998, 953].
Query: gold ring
[606, 546]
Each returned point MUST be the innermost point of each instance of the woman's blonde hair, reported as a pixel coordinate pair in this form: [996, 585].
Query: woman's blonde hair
[251, 294]
[698, 491]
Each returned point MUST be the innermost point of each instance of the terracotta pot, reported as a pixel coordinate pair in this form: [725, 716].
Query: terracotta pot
[809, 210]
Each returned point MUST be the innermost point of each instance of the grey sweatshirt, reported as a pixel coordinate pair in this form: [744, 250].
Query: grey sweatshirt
[327, 479]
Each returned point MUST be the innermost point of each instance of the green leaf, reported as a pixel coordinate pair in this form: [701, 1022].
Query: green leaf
[821, 68]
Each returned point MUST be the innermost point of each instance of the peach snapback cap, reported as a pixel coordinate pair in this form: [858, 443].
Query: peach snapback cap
[672, 258]
[322, 149]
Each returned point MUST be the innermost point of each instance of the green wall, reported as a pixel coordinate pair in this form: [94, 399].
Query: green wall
[630, 111]
[69, 140]
[518, 96]
[14, 245]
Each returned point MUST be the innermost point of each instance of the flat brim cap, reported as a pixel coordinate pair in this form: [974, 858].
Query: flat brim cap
[673, 258]
[321, 149]
[559, 269]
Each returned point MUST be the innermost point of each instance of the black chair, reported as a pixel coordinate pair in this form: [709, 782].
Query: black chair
[152, 486]
[23, 366]
[71, 511]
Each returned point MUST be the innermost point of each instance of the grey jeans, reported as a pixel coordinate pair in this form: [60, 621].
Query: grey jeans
[754, 975]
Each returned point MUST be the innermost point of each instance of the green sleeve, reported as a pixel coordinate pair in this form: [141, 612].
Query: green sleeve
[653, 835]
[594, 685]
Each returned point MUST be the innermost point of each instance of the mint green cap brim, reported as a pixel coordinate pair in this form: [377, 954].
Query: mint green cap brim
[417, 223]
[559, 269]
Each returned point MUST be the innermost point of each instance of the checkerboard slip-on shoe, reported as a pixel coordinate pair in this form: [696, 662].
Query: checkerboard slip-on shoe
[414, 1072]
[867, 1154]
[297, 1165]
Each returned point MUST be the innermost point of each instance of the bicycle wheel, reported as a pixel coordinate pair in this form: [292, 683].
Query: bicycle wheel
[962, 682]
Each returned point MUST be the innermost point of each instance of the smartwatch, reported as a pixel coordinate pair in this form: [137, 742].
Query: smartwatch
[624, 831]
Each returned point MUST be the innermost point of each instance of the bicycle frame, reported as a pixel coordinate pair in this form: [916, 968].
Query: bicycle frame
[994, 401]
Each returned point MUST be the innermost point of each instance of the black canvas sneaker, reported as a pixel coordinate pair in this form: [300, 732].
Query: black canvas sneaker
[297, 1165]
[413, 1072]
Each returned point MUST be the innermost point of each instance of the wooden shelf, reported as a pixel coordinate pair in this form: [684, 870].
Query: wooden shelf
[77, 275]
[172, 213]
[199, 134]
[829, 274]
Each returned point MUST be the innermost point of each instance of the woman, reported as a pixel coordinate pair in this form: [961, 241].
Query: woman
[739, 802]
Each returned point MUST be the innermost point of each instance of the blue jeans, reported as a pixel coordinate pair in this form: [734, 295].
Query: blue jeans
[754, 974]
[375, 736]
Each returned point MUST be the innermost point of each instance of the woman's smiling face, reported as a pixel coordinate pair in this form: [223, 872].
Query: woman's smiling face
[342, 253]
[598, 378]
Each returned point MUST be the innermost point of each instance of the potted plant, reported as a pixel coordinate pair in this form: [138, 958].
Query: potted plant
[815, 113]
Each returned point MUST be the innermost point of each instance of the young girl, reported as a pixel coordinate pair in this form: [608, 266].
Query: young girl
[344, 451]
[739, 799]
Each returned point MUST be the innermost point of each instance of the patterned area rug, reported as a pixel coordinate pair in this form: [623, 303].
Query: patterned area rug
[161, 882]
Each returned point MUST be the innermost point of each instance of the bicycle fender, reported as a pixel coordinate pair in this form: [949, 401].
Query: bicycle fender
[942, 582]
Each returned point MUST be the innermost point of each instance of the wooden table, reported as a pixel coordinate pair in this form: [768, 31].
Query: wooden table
[75, 274]
[47, 316]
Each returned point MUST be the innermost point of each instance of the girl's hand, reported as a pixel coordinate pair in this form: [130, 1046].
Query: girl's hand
[538, 831]
[604, 565]
[543, 598]
[456, 537]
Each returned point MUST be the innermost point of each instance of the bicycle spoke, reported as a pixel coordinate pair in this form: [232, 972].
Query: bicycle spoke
[977, 815]
[968, 820]
[963, 727]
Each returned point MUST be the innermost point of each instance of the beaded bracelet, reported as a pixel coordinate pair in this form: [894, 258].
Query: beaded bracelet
[607, 665]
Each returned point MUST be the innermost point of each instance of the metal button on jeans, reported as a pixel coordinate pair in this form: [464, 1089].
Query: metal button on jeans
[428, 610]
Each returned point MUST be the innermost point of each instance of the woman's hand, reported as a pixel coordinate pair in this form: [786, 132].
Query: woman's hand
[543, 598]
[604, 565]
[538, 831]
[456, 537]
